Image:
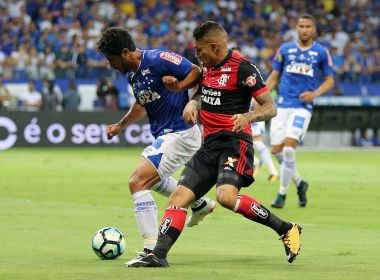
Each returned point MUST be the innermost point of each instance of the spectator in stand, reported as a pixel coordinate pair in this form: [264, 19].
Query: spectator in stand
[4, 94]
[46, 64]
[31, 100]
[64, 67]
[20, 58]
[32, 69]
[338, 62]
[80, 57]
[51, 96]
[107, 94]
[51, 24]
[71, 98]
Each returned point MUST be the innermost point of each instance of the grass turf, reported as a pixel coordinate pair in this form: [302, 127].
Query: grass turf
[53, 200]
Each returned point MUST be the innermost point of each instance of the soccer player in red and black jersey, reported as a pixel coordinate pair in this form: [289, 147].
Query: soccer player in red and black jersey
[225, 158]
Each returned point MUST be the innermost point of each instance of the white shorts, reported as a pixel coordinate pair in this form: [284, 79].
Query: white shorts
[172, 150]
[289, 123]
[258, 128]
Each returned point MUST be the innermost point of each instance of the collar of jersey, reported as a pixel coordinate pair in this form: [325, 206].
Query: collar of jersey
[305, 49]
[224, 60]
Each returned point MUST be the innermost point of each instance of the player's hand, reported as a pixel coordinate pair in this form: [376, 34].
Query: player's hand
[171, 83]
[190, 113]
[307, 96]
[240, 122]
[113, 129]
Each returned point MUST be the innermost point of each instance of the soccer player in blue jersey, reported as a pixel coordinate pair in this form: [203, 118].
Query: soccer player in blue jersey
[160, 80]
[305, 69]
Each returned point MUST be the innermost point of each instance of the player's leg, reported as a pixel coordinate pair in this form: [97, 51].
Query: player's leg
[191, 185]
[228, 184]
[142, 179]
[266, 157]
[277, 138]
[277, 153]
[170, 229]
[256, 136]
[297, 125]
[174, 152]
[161, 159]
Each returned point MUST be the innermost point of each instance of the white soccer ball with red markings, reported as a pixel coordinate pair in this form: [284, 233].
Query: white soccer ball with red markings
[108, 243]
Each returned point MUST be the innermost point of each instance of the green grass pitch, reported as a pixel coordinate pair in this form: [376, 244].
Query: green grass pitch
[53, 200]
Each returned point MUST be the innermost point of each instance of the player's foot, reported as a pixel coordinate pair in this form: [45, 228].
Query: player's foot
[292, 242]
[199, 214]
[279, 201]
[301, 191]
[149, 260]
[273, 178]
[140, 255]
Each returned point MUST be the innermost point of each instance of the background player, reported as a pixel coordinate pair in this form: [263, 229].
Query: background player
[226, 156]
[302, 65]
[160, 80]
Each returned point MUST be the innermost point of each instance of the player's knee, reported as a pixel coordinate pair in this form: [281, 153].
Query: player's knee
[225, 198]
[289, 153]
[276, 150]
[136, 184]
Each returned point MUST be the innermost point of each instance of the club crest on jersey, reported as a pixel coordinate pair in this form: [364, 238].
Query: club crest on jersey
[165, 225]
[172, 57]
[251, 80]
[222, 81]
[147, 96]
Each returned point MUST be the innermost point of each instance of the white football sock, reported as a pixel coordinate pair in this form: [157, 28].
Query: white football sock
[296, 176]
[166, 187]
[265, 156]
[287, 168]
[256, 160]
[146, 217]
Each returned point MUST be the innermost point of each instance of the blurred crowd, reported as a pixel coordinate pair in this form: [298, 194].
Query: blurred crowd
[49, 39]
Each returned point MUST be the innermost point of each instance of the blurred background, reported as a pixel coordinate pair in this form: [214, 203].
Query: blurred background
[57, 90]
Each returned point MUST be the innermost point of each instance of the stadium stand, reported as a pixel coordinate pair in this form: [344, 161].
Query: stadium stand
[56, 39]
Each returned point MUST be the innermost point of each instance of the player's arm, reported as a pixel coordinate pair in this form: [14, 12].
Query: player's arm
[326, 68]
[309, 96]
[265, 110]
[190, 80]
[273, 79]
[190, 112]
[136, 112]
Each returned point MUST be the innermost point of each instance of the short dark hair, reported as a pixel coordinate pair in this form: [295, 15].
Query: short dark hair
[114, 40]
[207, 28]
[307, 16]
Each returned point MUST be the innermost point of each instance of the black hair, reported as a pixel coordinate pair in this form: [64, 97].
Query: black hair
[207, 28]
[307, 16]
[114, 40]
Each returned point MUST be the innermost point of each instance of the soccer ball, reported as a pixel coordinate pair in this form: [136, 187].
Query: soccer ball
[108, 243]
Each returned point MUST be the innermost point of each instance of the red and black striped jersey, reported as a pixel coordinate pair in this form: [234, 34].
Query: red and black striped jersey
[227, 89]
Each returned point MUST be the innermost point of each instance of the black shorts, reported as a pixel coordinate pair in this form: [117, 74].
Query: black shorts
[223, 159]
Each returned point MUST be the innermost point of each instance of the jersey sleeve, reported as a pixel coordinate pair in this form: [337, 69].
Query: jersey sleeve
[278, 61]
[173, 64]
[250, 79]
[326, 64]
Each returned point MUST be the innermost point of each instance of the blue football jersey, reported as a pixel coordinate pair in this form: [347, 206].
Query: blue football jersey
[301, 70]
[164, 108]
